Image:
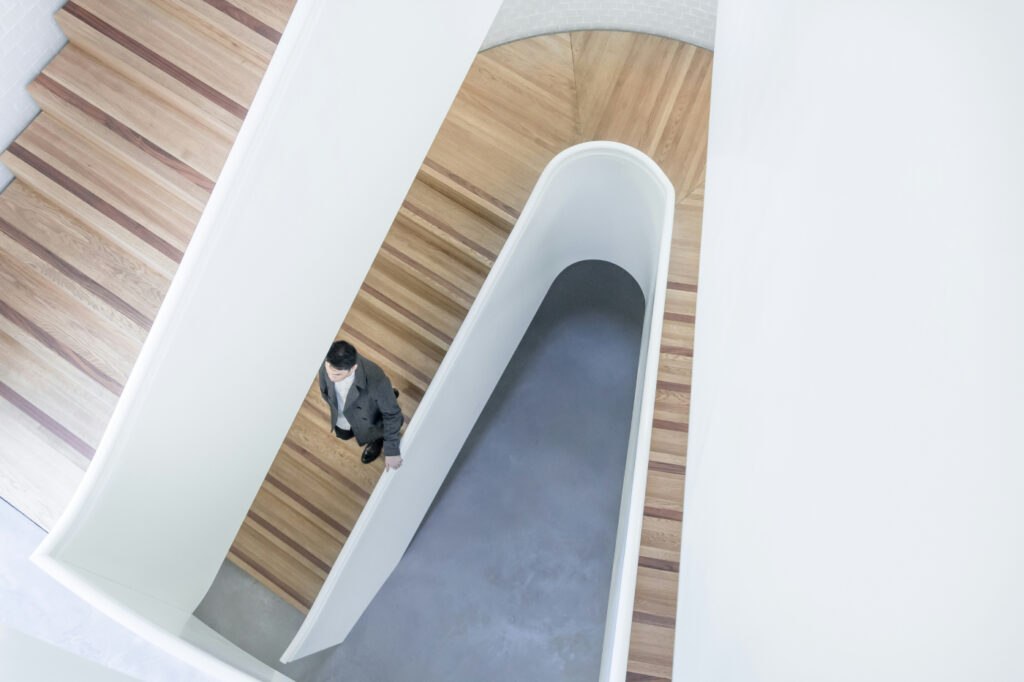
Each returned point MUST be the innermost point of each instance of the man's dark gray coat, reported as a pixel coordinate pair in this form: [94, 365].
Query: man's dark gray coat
[370, 407]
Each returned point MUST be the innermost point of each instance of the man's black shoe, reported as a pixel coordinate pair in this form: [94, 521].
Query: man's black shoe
[372, 451]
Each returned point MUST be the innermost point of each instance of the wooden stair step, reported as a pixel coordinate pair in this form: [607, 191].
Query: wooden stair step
[393, 282]
[321, 542]
[106, 45]
[88, 255]
[274, 13]
[237, 30]
[266, 536]
[275, 567]
[411, 279]
[112, 180]
[461, 276]
[446, 238]
[64, 402]
[343, 486]
[404, 377]
[107, 308]
[478, 233]
[464, 193]
[312, 440]
[293, 520]
[404, 302]
[416, 354]
[143, 108]
[101, 218]
[102, 351]
[38, 474]
[103, 130]
[170, 50]
[403, 357]
[317, 498]
[433, 343]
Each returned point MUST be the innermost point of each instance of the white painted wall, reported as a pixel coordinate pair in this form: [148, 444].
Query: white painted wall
[351, 101]
[691, 21]
[598, 200]
[854, 504]
[29, 39]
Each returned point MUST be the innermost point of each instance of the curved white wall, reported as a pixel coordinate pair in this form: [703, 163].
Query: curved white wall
[598, 200]
[328, 150]
[691, 21]
[855, 490]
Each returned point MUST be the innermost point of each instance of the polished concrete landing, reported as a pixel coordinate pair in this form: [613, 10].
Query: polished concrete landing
[37, 605]
[508, 576]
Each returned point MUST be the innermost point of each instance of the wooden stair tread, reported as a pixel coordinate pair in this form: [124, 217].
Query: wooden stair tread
[243, 35]
[460, 274]
[416, 356]
[86, 251]
[107, 309]
[273, 13]
[434, 344]
[294, 581]
[116, 139]
[392, 280]
[112, 180]
[143, 109]
[339, 459]
[91, 211]
[106, 353]
[478, 234]
[346, 497]
[464, 193]
[37, 473]
[71, 407]
[145, 76]
[186, 57]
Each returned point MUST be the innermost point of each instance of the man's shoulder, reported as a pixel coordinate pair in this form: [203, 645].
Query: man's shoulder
[373, 372]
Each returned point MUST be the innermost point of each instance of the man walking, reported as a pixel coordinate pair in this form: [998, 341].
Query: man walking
[363, 403]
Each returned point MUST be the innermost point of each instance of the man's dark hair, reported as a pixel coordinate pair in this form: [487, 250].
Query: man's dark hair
[342, 355]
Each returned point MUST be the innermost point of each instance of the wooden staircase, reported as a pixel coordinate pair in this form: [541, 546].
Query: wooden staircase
[139, 111]
[112, 178]
[520, 105]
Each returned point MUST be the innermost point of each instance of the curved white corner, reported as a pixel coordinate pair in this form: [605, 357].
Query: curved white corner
[595, 201]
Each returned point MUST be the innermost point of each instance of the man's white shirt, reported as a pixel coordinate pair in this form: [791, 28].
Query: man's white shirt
[341, 389]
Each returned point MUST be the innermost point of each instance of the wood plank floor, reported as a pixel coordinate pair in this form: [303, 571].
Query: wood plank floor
[112, 177]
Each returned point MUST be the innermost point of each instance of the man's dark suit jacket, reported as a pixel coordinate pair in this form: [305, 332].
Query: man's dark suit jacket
[370, 407]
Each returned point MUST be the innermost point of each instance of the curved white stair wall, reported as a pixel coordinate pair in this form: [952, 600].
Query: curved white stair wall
[601, 201]
[320, 167]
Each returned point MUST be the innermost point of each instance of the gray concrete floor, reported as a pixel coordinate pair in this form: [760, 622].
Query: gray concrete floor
[34, 603]
[508, 576]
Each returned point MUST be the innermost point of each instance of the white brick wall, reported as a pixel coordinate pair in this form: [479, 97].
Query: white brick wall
[692, 21]
[29, 38]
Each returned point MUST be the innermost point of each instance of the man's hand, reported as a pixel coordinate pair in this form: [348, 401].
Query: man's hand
[392, 463]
